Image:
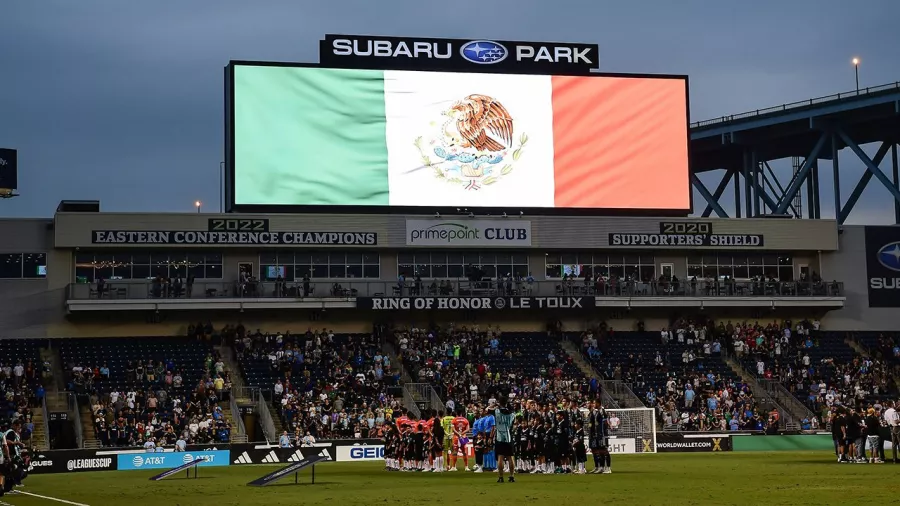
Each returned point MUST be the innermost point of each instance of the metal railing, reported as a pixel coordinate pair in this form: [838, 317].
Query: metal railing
[349, 290]
[777, 391]
[409, 402]
[622, 392]
[46, 426]
[265, 418]
[72, 406]
[424, 393]
[238, 420]
[797, 105]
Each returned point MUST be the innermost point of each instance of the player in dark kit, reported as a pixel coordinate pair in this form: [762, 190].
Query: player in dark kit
[837, 433]
[579, 449]
[437, 444]
[563, 443]
[599, 440]
[549, 448]
[521, 443]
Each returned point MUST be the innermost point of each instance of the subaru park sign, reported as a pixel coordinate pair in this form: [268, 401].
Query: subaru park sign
[883, 266]
[461, 55]
[468, 232]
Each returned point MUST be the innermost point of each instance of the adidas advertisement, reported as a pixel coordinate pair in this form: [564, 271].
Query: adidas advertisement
[266, 454]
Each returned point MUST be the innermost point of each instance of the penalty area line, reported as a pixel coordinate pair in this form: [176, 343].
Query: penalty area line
[47, 497]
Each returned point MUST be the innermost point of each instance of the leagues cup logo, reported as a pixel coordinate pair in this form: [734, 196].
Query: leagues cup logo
[472, 145]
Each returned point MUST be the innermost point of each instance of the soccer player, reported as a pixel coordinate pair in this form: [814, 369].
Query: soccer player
[438, 443]
[447, 426]
[503, 440]
[580, 450]
[595, 435]
[605, 459]
[487, 426]
[460, 440]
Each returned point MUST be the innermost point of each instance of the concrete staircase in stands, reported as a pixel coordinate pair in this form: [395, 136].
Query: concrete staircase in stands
[789, 418]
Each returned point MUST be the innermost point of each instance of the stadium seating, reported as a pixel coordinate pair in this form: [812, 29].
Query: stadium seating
[334, 374]
[830, 359]
[658, 373]
[430, 356]
[194, 361]
[21, 397]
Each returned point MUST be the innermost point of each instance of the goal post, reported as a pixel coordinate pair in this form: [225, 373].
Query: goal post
[632, 430]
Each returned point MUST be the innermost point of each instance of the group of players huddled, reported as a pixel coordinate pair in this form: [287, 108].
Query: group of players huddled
[538, 438]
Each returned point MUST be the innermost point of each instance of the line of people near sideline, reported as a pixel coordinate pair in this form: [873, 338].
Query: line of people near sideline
[547, 438]
[855, 430]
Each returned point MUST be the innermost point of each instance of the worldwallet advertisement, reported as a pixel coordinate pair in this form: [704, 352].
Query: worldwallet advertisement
[312, 136]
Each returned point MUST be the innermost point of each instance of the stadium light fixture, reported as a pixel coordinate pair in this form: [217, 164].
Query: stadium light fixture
[197, 204]
[855, 62]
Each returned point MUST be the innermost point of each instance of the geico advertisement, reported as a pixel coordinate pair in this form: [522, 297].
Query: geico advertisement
[359, 453]
[133, 461]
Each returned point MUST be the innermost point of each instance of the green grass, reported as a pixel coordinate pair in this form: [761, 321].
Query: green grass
[665, 479]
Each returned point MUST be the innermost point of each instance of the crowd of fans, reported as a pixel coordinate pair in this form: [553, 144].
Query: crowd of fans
[682, 378]
[325, 386]
[157, 406]
[21, 384]
[465, 363]
[793, 354]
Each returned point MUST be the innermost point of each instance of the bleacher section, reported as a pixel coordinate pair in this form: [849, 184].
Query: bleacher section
[526, 355]
[830, 358]
[132, 362]
[340, 367]
[25, 399]
[636, 352]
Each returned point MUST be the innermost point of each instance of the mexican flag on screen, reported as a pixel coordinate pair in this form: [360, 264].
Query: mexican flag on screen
[363, 137]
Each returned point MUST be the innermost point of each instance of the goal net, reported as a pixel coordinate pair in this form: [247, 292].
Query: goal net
[632, 430]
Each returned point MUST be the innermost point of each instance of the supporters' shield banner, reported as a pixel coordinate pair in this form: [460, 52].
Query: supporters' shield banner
[681, 443]
[883, 266]
[474, 303]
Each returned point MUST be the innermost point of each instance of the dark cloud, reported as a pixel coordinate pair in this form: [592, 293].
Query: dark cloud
[122, 101]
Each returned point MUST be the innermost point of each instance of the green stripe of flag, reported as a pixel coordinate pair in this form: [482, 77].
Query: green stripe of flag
[307, 136]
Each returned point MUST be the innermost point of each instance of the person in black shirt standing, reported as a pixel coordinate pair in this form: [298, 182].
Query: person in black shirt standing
[563, 442]
[837, 433]
[853, 430]
[873, 427]
[580, 449]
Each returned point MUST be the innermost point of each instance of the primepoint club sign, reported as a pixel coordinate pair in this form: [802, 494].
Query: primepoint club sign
[468, 232]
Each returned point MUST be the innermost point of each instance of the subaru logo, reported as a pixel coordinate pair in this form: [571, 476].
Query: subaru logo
[483, 52]
[137, 461]
[889, 256]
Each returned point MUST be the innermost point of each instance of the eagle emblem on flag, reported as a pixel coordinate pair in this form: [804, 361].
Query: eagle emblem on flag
[473, 143]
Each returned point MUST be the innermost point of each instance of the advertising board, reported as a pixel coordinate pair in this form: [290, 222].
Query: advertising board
[883, 266]
[134, 461]
[354, 140]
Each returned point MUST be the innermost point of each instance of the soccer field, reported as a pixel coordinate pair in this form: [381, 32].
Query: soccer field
[707, 478]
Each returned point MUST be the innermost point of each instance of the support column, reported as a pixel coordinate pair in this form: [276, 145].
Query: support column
[810, 191]
[754, 166]
[817, 207]
[737, 193]
[837, 179]
[748, 200]
[896, 181]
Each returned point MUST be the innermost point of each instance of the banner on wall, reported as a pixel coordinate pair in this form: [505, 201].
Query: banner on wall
[71, 461]
[883, 266]
[468, 232]
[135, 461]
[474, 303]
[689, 240]
[681, 443]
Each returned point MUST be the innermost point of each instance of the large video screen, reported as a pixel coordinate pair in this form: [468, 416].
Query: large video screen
[337, 137]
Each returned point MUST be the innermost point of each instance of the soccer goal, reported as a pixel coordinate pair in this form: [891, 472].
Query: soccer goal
[632, 430]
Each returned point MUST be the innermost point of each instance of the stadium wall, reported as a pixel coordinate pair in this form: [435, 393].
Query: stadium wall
[849, 265]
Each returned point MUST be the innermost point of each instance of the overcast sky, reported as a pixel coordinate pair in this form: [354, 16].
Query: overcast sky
[122, 101]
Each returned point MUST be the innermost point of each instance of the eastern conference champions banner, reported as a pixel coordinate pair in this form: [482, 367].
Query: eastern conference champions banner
[476, 303]
[883, 266]
[346, 137]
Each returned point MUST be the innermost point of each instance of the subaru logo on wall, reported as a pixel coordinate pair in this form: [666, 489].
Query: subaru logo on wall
[483, 52]
[889, 256]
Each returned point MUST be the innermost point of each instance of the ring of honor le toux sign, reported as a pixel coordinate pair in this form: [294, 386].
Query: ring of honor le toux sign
[883, 266]
[476, 303]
